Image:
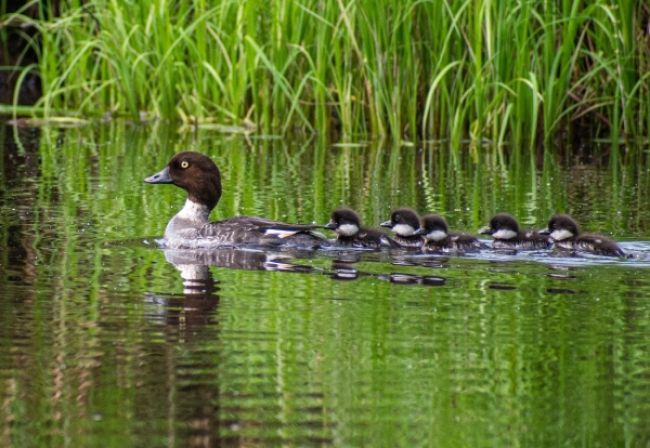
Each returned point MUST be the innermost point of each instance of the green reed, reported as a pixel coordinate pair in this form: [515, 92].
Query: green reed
[516, 72]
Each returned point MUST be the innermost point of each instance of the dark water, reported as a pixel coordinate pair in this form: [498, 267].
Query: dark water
[106, 340]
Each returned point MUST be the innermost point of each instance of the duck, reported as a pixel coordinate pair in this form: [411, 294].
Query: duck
[438, 238]
[405, 224]
[506, 234]
[191, 228]
[349, 233]
[566, 235]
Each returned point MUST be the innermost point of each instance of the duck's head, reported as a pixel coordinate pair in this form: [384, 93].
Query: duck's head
[404, 222]
[503, 226]
[434, 228]
[561, 227]
[344, 221]
[195, 173]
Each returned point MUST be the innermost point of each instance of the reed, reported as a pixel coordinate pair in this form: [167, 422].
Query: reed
[506, 71]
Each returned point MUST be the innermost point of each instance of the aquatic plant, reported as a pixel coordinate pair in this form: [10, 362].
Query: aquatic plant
[518, 72]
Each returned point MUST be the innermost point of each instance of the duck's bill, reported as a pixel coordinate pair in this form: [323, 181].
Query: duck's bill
[388, 224]
[544, 232]
[420, 231]
[330, 225]
[161, 177]
[485, 231]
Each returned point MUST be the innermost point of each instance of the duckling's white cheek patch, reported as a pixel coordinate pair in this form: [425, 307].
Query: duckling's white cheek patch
[504, 234]
[347, 229]
[403, 229]
[559, 235]
[436, 235]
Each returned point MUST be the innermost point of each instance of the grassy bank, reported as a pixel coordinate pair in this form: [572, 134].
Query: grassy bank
[504, 71]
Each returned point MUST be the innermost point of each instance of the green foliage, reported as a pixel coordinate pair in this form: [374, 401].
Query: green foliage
[505, 71]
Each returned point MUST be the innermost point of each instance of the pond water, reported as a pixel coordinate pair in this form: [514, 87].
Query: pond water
[107, 340]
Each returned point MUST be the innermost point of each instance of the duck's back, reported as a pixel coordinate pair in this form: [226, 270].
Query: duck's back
[248, 231]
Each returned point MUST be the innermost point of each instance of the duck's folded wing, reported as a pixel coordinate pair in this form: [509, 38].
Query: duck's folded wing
[250, 225]
[281, 229]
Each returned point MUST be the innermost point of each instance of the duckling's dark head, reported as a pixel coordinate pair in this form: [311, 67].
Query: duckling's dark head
[434, 227]
[503, 226]
[561, 227]
[344, 221]
[195, 173]
[404, 222]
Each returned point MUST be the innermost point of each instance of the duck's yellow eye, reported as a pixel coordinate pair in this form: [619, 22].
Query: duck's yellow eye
[185, 164]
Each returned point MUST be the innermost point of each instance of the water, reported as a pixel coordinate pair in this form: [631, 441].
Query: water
[106, 340]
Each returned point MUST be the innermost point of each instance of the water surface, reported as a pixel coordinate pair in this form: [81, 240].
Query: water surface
[107, 340]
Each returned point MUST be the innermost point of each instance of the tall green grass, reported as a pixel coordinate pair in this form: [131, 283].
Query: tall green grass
[502, 71]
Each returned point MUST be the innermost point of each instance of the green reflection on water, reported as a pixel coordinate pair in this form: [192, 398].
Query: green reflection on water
[101, 344]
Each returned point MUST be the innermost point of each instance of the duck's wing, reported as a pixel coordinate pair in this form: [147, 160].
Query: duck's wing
[282, 229]
[251, 230]
[268, 223]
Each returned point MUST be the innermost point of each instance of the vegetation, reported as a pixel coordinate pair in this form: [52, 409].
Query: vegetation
[504, 71]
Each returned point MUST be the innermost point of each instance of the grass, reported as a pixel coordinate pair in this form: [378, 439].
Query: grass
[506, 72]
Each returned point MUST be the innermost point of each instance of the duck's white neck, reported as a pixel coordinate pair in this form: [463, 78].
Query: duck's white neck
[193, 211]
[191, 217]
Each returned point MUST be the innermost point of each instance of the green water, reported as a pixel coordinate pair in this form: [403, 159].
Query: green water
[106, 340]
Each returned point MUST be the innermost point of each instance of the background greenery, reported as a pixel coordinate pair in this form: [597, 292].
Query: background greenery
[510, 71]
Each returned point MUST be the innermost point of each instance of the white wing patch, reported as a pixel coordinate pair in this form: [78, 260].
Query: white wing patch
[281, 233]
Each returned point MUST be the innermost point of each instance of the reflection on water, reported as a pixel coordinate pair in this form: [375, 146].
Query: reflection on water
[107, 340]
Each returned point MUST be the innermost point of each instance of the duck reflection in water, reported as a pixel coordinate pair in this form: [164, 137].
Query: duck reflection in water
[195, 306]
[255, 260]
[199, 286]
[192, 318]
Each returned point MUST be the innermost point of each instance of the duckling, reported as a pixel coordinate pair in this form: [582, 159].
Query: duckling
[565, 233]
[349, 233]
[438, 238]
[506, 234]
[405, 223]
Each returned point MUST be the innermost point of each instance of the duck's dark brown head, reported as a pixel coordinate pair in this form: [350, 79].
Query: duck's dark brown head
[195, 173]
